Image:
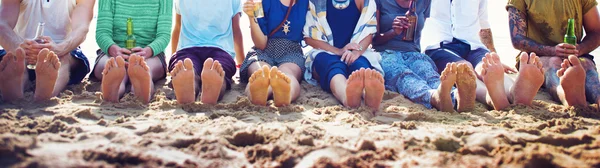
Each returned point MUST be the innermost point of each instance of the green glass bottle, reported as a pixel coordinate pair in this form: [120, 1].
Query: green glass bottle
[570, 37]
[130, 41]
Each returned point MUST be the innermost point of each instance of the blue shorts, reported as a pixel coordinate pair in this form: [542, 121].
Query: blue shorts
[77, 73]
[455, 51]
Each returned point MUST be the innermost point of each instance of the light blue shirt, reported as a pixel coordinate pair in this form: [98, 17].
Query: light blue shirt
[207, 24]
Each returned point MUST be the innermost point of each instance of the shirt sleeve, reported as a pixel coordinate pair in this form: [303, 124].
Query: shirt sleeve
[427, 4]
[163, 30]
[483, 14]
[104, 28]
[519, 4]
[237, 7]
[176, 6]
[264, 21]
[588, 5]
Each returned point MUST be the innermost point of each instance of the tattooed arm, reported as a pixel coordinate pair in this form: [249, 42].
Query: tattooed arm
[520, 41]
[591, 23]
[487, 39]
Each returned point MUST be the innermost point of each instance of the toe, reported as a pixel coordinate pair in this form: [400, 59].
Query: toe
[188, 64]
[274, 72]
[265, 71]
[524, 58]
[574, 60]
[496, 58]
[20, 57]
[42, 55]
[120, 62]
[207, 64]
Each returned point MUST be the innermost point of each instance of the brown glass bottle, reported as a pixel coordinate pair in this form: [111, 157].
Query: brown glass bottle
[409, 33]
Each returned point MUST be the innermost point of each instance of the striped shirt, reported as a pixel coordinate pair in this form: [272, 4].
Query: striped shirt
[151, 23]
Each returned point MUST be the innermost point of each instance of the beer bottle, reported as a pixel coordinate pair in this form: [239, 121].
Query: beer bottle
[411, 15]
[130, 41]
[570, 37]
[38, 39]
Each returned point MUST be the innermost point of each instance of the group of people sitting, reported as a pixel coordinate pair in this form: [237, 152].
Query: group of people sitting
[358, 50]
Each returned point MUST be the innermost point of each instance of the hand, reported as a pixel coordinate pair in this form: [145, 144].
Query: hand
[249, 8]
[50, 45]
[115, 51]
[143, 52]
[400, 24]
[509, 69]
[564, 50]
[350, 56]
[352, 46]
[30, 52]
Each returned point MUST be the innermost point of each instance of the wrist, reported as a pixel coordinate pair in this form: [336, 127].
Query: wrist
[392, 32]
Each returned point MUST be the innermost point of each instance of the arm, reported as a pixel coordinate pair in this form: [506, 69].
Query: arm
[163, 28]
[238, 41]
[258, 37]
[382, 38]
[485, 34]
[104, 27]
[176, 33]
[323, 46]
[9, 12]
[520, 41]
[487, 39]
[80, 25]
[591, 23]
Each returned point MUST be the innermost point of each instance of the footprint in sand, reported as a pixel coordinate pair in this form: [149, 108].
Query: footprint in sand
[355, 87]
[529, 81]
[139, 76]
[259, 86]
[572, 82]
[184, 81]
[112, 76]
[12, 69]
[46, 73]
[281, 86]
[466, 82]
[212, 81]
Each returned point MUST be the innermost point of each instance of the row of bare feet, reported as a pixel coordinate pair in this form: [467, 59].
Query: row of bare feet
[138, 73]
[365, 82]
[265, 78]
[12, 69]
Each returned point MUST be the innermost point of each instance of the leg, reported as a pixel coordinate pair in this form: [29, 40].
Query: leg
[139, 75]
[48, 81]
[592, 84]
[184, 81]
[258, 84]
[213, 85]
[285, 82]
[493, 77]
[13, 75]
[424, 67]
[529, 81]
[113, 78]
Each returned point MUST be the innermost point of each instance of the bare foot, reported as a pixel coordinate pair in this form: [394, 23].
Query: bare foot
[12, 69]
[442, 100]
[467, 87]
[374, 88]
[572, 82]
[112, 76]
[493, 77]
[354, 88]
[139, 75]
[212, 77]
[259, 86]
[529, 81]
[46, 73]
[281, 86]
[184, 82]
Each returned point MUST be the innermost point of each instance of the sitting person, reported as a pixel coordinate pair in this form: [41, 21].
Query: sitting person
[459, 31]
[341, 62]
[146, 61]
[277, 44]
[210, 36]
[57, 57]
[570, 72]
[412, 73]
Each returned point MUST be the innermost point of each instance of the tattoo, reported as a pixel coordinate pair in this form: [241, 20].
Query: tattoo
[592, 85]
[518, 34]
[487, 39]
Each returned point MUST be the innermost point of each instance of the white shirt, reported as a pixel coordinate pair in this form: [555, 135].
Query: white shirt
[56, 14]
[461, 19]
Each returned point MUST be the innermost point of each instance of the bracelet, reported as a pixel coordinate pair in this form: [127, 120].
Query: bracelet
[238, 66]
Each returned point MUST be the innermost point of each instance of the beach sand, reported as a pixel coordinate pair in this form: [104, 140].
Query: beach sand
[78, 129]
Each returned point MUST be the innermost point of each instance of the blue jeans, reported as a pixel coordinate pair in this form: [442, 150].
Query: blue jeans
[411, 74]
[78, 72]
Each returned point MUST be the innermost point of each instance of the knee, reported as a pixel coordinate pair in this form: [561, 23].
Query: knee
[587, 64]
[554, 61]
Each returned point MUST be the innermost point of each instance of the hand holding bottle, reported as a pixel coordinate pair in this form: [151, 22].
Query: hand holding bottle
[144, 52]
[115, 51]
[400, 24]
[564, 50]
[249, 8]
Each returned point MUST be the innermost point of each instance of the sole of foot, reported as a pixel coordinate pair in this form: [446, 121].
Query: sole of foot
[466, 83]
[12, 69]
[46, 73]
[212, 77]
[572, 82]
[493, 77]
[442, 99]
[139, 76]
[374, 88]
[258, 85]
[112, 77]
[184, 81]
[281, 85]
[529, 81]
[355, 87]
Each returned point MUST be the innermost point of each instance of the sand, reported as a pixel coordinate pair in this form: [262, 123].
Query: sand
[78, 129]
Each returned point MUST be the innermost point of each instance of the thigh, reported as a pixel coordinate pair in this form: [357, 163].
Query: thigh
[476, 56]
[441, 57]
[226, 61]
[156, 66]
[292, 70]
[101, 61]
[361, 62]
